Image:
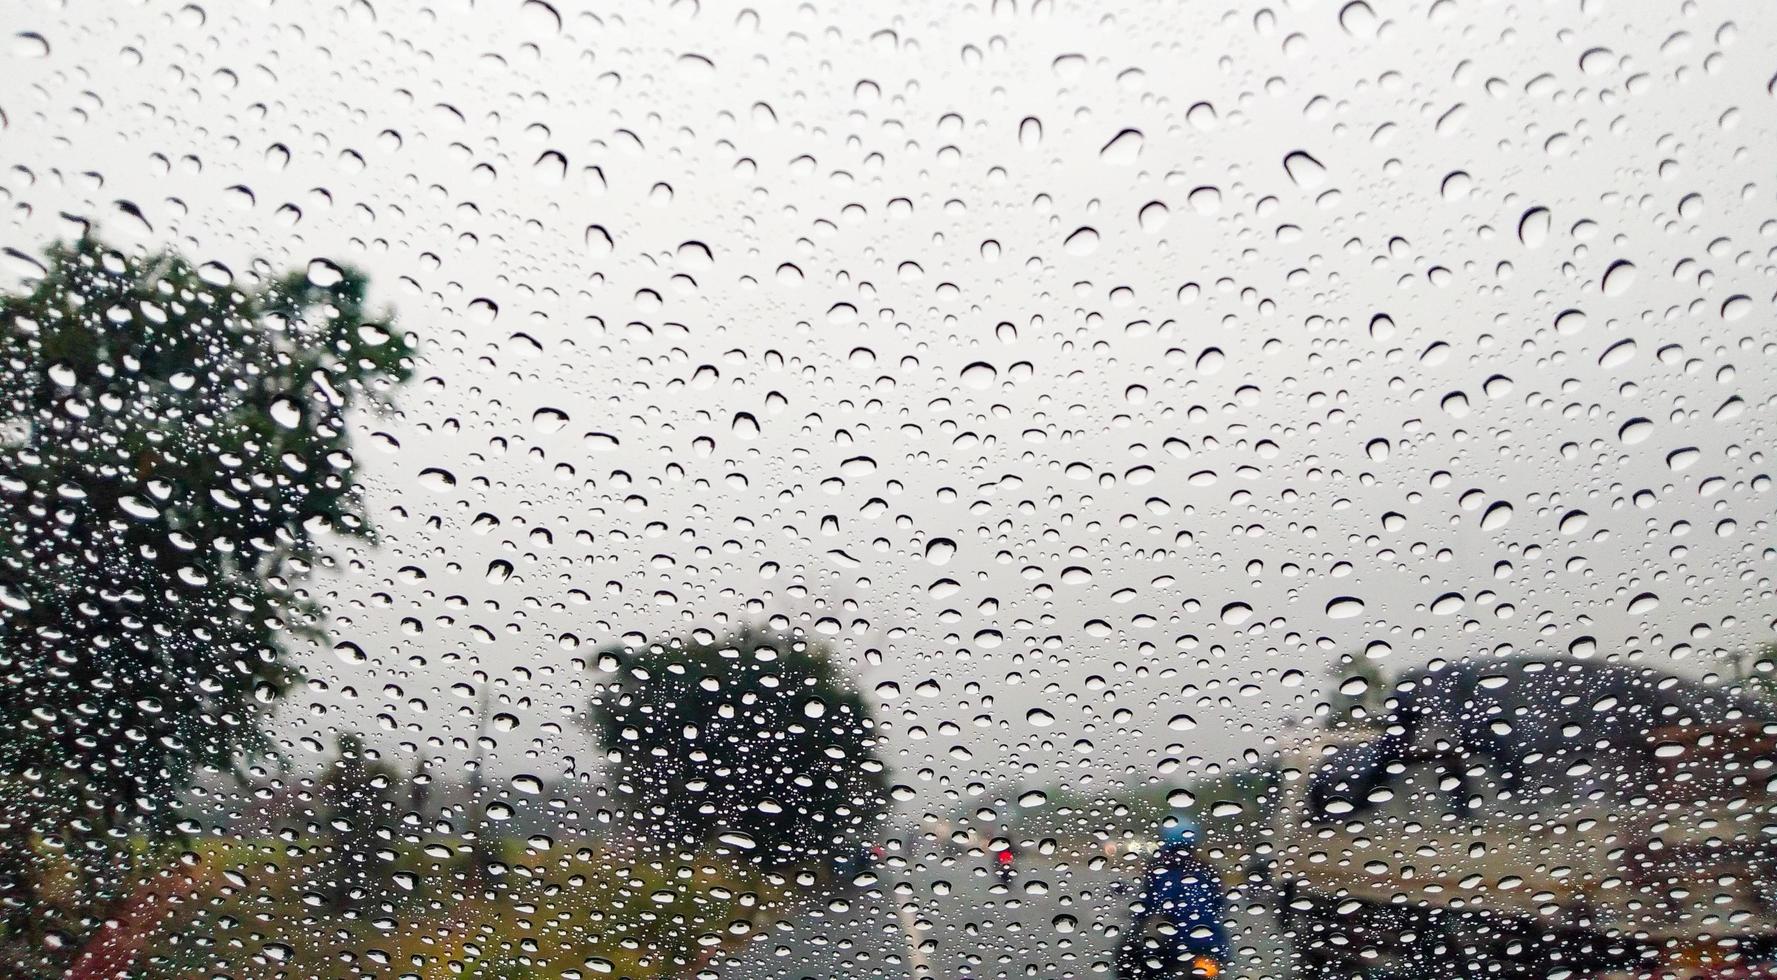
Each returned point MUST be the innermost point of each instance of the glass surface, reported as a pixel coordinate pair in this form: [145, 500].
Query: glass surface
[1000, 489]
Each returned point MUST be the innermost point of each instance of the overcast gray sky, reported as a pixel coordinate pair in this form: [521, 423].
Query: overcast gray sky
[1076, 362]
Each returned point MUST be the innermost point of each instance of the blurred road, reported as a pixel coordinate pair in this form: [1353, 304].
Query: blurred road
[1056, 917]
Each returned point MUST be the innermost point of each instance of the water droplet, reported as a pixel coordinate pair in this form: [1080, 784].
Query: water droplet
[1533, 227]
[1344, 607]
[1304, 170]
[1123, 148]
[438, 480]
[1083, 241]
[29, 44]
[548, 420]
[1497, 515]
[1635, 431]
[939, 551]
[1618, 278]
[979, 375]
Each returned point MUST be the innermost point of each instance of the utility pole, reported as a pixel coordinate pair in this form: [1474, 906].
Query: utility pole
[477, 785]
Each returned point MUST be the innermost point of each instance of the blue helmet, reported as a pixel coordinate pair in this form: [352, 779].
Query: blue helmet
[1179, 833]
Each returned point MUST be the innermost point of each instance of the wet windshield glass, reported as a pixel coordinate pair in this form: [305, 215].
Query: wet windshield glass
[1022, 488]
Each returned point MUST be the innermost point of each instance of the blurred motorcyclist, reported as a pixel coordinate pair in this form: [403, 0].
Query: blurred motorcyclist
[1176, 922]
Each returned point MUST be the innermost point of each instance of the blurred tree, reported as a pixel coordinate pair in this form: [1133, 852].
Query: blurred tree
[358, 808]
[1755, 671]
[755, 741]
[1360, 693]
[172, 448]
[1233, 803]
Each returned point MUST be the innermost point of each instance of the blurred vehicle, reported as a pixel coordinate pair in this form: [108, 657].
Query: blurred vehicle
[1524, 817]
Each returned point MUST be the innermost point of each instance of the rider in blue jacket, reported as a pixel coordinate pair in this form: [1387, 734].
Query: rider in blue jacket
[1176, 922]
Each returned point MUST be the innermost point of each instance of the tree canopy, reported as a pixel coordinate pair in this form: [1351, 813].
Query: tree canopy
[173, 449]
[757, 741]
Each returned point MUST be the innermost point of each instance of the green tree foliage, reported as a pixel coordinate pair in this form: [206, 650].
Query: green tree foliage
[173, 447]
[756, 741]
